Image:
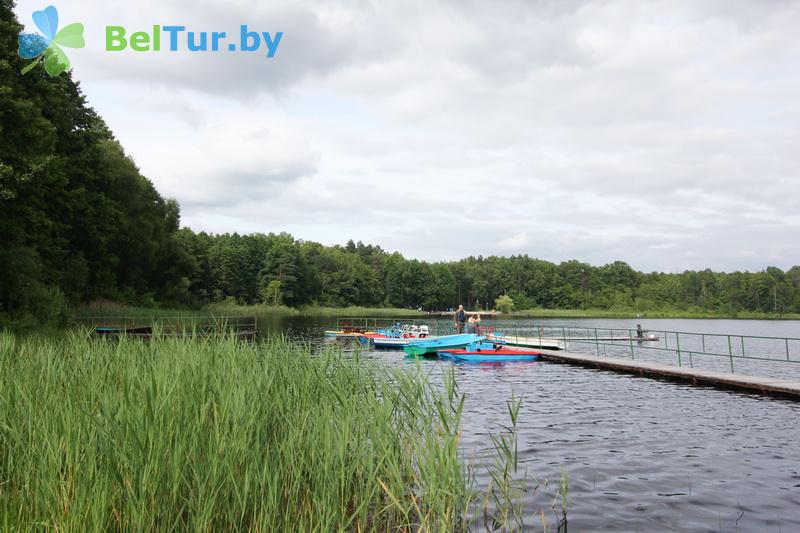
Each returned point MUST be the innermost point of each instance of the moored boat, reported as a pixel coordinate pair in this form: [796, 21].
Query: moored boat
[431, 346]
[380, 341]
[342, 334]
[487, 352]
[396, 336]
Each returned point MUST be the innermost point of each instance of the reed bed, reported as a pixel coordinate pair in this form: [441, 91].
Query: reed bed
[217, 434]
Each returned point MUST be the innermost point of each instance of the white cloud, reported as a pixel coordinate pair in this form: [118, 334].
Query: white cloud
[661, 133]
[516, 242]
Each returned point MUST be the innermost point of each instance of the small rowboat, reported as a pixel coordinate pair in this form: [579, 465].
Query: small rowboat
[429, 347]
[345, 334]
[489, 353]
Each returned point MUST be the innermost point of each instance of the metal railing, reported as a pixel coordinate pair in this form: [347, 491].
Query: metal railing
[736, 353]
[748, 354]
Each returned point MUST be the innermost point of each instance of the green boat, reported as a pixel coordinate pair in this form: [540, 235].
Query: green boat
[431, 346]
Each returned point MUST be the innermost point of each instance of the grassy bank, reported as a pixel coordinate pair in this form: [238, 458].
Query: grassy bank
[175, 434]
[112, 309]
[319, 311]
[666, 313]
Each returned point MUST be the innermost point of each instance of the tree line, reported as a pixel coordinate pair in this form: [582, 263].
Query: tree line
[278, 269]
[79, 222]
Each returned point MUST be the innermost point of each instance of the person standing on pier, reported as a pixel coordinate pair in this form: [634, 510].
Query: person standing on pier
[461, 319]
[474, 321]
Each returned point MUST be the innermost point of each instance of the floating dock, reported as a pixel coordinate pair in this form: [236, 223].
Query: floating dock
[529, 342]
[758, 384]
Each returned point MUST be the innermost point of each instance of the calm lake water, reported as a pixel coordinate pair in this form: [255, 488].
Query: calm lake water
[640, 454]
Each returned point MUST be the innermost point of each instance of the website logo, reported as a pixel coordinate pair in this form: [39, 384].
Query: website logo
[47, 47]
[177, 38]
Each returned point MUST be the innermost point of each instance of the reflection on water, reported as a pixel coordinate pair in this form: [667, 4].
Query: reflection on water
[640, 454]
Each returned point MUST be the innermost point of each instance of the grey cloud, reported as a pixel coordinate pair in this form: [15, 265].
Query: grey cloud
[661, 133]
[307, 48]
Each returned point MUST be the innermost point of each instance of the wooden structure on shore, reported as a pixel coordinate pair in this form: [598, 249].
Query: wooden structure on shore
[184, 327]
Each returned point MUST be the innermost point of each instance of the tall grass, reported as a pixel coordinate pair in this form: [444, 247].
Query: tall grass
[359, 312]
[109, 309]
[224, 308]
[216, 434]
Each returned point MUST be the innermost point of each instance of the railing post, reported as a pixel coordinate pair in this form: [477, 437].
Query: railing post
[741, 337]
[564, 335]
[630, 339]
[703, 336]
[787, 348]
[678, 343]
[596, 342]
[730, 352]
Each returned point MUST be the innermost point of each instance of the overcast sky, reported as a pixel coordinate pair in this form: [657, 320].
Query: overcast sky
[662, 133]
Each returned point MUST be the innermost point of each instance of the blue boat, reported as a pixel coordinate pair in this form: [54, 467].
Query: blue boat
[431, 346]
[488, 352]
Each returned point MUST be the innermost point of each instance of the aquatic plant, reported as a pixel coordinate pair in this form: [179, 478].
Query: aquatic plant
[218, 434]
[507, 488]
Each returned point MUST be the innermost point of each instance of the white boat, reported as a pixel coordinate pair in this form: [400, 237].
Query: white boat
[397, 337]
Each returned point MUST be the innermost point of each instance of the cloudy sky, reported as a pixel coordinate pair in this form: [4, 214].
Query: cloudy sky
[662, 133]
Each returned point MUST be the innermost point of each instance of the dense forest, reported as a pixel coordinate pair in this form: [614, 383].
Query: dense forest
[277, 269]
[78, 222]
[77, 219]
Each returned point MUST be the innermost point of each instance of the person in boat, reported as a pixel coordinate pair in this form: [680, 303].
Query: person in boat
[474, 321]
[461, 319]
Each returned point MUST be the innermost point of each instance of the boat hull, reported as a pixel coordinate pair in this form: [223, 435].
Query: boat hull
[429, 347]
[391, 342]
[382, 341]
[489, 356]
[344, 334]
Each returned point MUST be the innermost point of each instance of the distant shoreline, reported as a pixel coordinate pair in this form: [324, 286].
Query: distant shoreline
[112, 309]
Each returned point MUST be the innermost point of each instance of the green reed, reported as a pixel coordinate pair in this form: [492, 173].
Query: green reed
[218, 434]
[507, 487]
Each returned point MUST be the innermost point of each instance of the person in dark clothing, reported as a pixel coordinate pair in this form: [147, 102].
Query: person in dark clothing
[461, 319]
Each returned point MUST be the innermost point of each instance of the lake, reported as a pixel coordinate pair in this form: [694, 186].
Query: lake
[640, 454]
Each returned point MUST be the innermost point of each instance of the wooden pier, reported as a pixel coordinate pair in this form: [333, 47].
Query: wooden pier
[758, 384]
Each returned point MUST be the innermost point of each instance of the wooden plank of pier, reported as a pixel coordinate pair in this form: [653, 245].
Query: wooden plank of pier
[764, 385]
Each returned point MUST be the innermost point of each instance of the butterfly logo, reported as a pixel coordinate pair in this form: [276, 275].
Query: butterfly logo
[48, 47]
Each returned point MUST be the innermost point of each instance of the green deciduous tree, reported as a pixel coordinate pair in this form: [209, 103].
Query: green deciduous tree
[504, 303]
